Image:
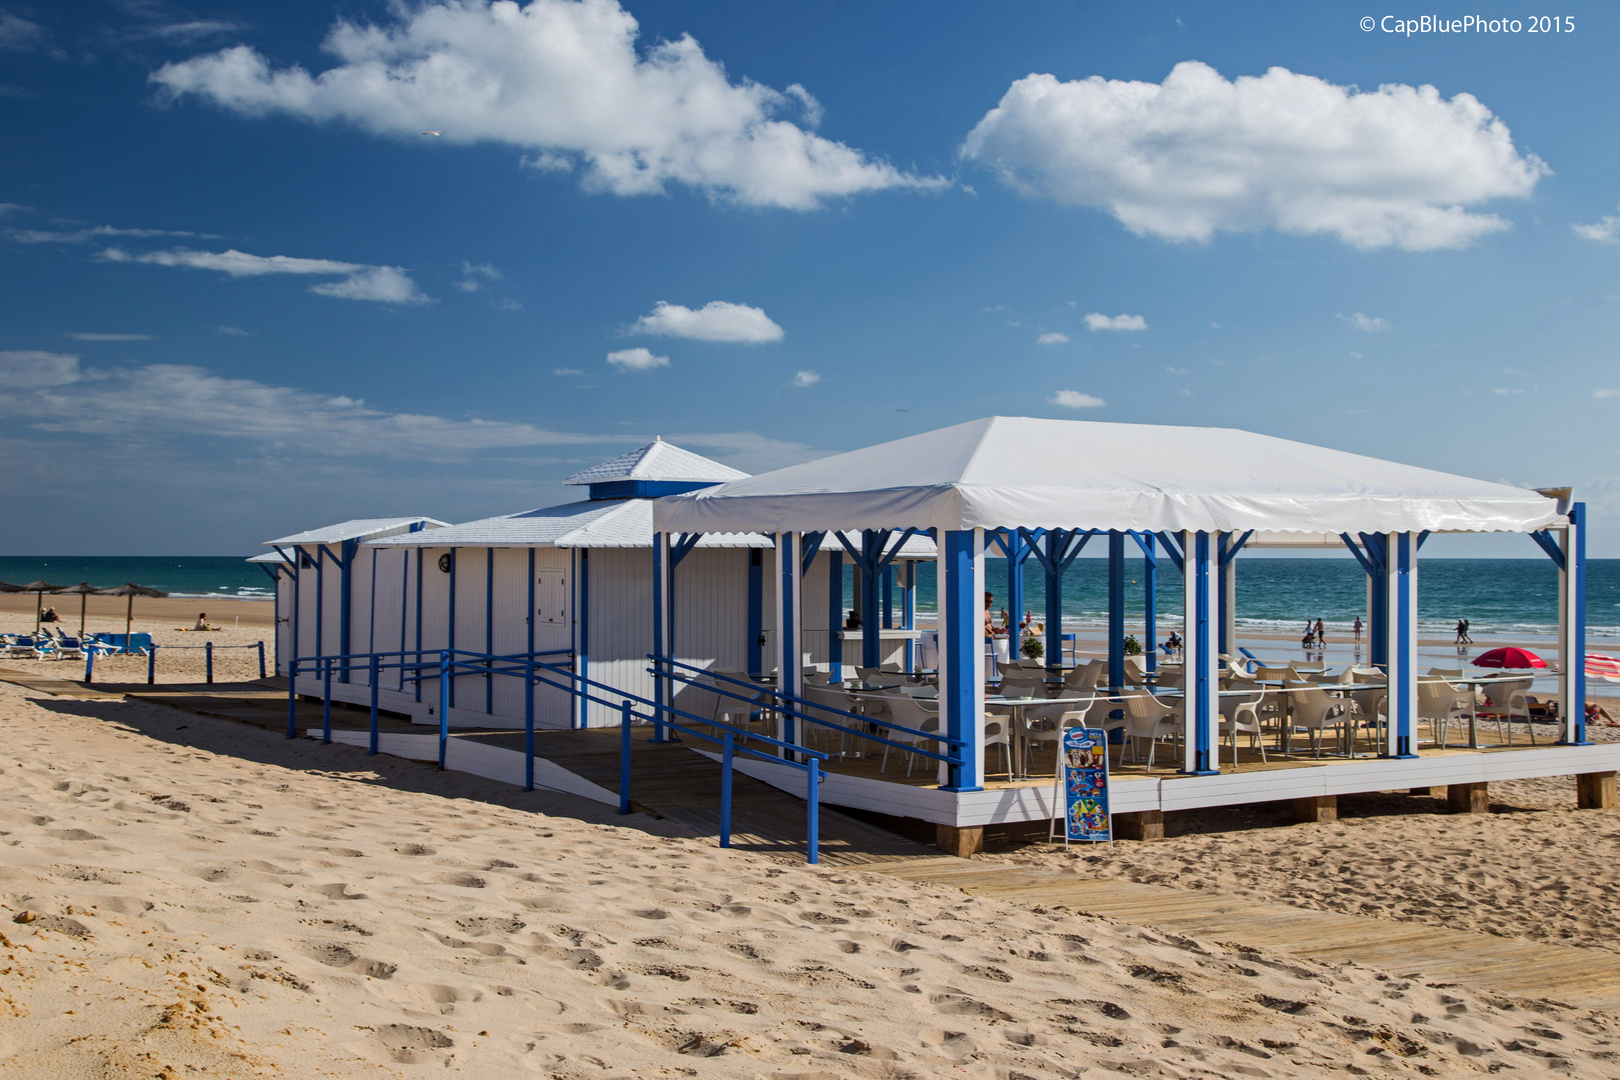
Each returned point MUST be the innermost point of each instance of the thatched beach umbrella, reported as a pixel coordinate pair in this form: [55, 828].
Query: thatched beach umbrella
[131, 590]
[83, 589]
[39, 589]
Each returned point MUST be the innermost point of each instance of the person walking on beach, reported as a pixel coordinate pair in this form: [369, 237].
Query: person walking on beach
[1321, 635]
[1462, 633]
[1357, 629]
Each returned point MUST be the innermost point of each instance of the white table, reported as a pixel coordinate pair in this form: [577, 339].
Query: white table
[1016, 707]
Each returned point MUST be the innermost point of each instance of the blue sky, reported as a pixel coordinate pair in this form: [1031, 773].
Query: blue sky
[242, 294]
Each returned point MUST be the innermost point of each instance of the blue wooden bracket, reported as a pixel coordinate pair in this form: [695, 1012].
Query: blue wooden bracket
[1074, 553]
[884, 562]
[1231, 553]
[681, 547]
[812, 544]
[1422, 536]
[1173, 549]
[1549, 544]
[1142, 538]
[1377, 548]
[1355, 549]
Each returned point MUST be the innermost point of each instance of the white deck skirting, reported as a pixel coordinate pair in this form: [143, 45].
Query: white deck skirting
[394, 701]
[1130, 794]
[479, 759]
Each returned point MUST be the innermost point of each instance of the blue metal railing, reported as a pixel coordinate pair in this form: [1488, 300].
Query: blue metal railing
[796, 707]
[446, 665]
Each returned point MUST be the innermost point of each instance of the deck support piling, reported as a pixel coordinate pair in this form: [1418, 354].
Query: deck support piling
[1316, 810]
[961, 653]
[1597, 791]
[962, 841]
[1141, 825]
[1468, 798]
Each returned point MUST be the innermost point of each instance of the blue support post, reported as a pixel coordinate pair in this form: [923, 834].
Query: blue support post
[528, 726]
[624, 757]
[835, 614]
[789, 635]
[1223, 569]
[89, 666]
[320, 599]
[872, 541]
[151, 663]
[582, 633]
[756, 613]
[345, 602]
[208, 660]
[261, 659]
[1150, 600]
[450, 638]
[1403, 666]
[418, 669]
[297, 599]
[1201, 681]
[1116, 609]
[888, 597]
[812, 791]
[1573, 650]
[910, 614]
[292, 698]
[326, 700]
[444, 706]
[962, 647]
[661, 682]
[725, 789]
[376, 671]
[489, 630]
[1056, 541]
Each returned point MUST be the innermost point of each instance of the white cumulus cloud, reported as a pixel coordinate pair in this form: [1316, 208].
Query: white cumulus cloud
[717, 320]
[637, 359]
[1601, 394]
[389, 284]
[1074, 399]
[1604, 231]
[563, 81]
[1360, 321]
[79, 335]
[1052, 338]
[1396, 167]
[805, 378]
[1098, 321]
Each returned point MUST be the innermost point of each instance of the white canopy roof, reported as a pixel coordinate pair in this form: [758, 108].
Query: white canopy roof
[1009, 472]
[356, 529]
[621, 523]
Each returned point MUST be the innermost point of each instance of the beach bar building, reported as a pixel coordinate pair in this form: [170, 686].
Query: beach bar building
[1192, 497]
[572, 586]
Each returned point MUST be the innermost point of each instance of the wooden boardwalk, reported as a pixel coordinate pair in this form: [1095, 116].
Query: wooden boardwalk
[672, 781]
[1588, 978]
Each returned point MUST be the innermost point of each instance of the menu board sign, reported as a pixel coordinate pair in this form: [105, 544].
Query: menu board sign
[1083, 785]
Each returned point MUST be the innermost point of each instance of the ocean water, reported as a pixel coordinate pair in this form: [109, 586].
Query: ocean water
[190, 575]
[1497, 596]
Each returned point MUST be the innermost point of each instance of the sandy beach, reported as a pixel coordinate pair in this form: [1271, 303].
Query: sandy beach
[186, 896]
[241, 625]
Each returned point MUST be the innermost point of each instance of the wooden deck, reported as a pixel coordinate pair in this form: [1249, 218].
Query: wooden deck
[1588, 978]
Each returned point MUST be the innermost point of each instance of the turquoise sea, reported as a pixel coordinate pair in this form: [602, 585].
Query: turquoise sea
[1497, 596]
[181, 575]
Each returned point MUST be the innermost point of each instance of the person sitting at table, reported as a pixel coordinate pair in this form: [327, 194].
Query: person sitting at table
[1174, 641]
[202, 621]
[990, 628]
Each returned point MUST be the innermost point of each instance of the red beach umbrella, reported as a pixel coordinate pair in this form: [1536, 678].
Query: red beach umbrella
[1603, 667]
[1510, 657]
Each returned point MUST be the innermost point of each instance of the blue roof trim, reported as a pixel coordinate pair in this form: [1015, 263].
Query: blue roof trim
[646, 489]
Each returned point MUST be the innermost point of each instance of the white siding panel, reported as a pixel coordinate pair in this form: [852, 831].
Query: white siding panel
[284, 609]
[620, 624]
[471, 585]
[331, 601]
[387, 609]
[511, 613]
[435, 612]
[360, 579]
[553, 630]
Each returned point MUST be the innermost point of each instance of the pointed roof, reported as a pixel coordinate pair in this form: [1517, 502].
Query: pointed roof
[1011, 472]
[357, 529]
[658, 460]
[623, 523]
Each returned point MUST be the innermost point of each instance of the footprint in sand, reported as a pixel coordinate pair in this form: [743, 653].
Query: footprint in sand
[410, 1045]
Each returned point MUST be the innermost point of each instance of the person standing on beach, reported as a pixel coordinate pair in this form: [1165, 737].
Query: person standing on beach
[1357, 629]
[1462, 632]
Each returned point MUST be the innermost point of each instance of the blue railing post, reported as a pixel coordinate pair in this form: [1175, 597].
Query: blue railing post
[261, 659]
[326, 700]
[292, 698]
[89, 666]
[624, 757]
[725, 790]
[444, 706]
[812, 789]
[376, 667]
[151, 665]
[528, 727]
[208, 659]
